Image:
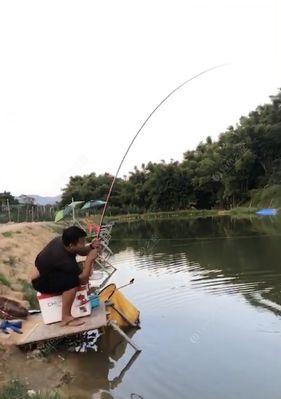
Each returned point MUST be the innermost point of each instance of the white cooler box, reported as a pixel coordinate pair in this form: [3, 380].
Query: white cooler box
[51, 306]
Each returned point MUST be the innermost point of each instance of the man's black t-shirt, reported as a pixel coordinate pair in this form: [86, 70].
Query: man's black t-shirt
[57, 267]
[54, 257]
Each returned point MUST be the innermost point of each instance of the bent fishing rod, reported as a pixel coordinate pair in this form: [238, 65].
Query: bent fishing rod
[140, 129]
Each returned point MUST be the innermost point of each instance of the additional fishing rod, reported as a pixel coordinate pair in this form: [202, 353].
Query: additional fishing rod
[126, 285]
[140, 129]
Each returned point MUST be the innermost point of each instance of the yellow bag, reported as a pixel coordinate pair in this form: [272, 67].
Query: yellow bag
[123, 312]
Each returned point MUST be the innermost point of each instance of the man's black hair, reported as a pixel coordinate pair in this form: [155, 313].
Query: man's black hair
[72, 234]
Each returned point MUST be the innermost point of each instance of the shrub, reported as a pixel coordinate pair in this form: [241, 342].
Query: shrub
[4, 281]
[29, 294]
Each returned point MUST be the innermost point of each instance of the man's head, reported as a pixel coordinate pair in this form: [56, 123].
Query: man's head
[73, 239]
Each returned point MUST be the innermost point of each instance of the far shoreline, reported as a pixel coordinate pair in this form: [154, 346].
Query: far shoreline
[147, 216]
[189, 214]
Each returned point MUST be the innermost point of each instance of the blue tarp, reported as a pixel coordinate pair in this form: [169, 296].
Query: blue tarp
[267, 212]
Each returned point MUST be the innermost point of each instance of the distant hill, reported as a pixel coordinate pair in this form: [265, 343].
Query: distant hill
[40, 200]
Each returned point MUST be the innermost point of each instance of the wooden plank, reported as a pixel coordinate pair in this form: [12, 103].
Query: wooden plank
[36, 331]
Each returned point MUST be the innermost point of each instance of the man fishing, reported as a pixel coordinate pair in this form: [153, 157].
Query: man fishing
[56, 270]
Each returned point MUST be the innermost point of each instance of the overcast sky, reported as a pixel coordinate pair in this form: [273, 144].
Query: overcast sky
[77, 79]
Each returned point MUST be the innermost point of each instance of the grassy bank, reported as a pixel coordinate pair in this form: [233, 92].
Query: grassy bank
[16, 390]
[190, 213]
[132, 217]
[19, 245]
[267, 197]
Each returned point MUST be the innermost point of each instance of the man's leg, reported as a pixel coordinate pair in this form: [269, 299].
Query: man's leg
[67, 301]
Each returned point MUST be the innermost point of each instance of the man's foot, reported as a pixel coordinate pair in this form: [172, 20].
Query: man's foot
[72, 322]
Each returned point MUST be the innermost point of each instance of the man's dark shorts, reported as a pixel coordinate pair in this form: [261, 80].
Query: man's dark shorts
[56, 282]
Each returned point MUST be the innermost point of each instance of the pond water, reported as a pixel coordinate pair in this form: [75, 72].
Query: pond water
[209, 295]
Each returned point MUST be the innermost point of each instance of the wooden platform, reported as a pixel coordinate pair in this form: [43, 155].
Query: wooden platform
[34, 330]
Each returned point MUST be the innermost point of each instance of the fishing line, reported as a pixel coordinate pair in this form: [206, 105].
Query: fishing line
[142, 126]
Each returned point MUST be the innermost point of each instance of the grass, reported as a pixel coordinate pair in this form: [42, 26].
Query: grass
[56, 228]
[242, 210]
[8, 234]
[16, 390]
[267, 197]
[191, 213]
[29, 295]
[11, 261]
[4, 281]
[247, 210]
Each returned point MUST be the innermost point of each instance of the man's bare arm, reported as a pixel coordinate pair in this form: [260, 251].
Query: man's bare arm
[88, 248]
[88, 266]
